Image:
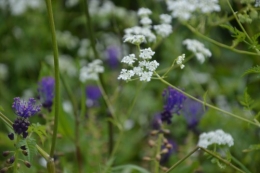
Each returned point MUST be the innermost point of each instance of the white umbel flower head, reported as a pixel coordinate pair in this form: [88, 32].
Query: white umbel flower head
[135, 39]
[146, 53]
[198, 49]
[90, 72]
[146, 21]
[164, 30]
[143, 12]
[130, 59]
[126, 74]
[180, 60]
[218, 137]
[165, 18]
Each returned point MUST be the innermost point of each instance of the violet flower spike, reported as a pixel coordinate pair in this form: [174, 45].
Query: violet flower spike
[25, 109]
[46, 92]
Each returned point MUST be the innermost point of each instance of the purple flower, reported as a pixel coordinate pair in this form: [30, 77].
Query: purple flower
[93, 94]
[173, 103]
[46, 91]
[192, 111]
[25, 109]
[157, 122]
[112, 53]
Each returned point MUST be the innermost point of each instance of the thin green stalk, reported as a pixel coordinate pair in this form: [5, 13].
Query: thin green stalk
[240, 164]
[6, 120]
[56, 74]
[220, 44]
[183, 159]
[157, 152]
[206, 104]
[77, 124]
[223, 160]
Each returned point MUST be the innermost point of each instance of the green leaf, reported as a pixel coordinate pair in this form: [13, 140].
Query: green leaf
[239, 35]
[255, 69]
[221, 165]
[39, 129]
[30, 145]
[247, 101]
[252, 148]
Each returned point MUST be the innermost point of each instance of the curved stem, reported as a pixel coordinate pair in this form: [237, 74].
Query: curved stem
[56, 74]
[206, 104]
[220, 44]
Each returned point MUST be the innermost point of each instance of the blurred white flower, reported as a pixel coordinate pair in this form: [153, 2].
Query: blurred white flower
[90, 72]
[66, 64]
[165, 18]
[143, 12]
[130, 59]
[66, 39]
[146, 21]
[67, 106]
[164, 30]
[18, 7]
[146, 53]
[3, 71]
[180, 60]
[198, 49]
[137, 30]
[215, 137]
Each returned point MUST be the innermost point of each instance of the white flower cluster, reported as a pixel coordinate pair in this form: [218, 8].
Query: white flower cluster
[18, 7]
[198, 49]
[145, 67]
[215, 137]
[90, 72]
[164, 29]
[184, 9]
[135, 39]
[180, 60]
[66, 39]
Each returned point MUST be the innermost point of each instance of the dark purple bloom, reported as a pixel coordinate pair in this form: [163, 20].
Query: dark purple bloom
[25, 109]
[112, 54]
[173, 103]
[192, 111]
[21, 126]
[46, 91]
[93, 94]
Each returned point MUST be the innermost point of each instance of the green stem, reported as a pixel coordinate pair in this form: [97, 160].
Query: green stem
[220, 44]
[6, 120]
[206, 104]
[56, 74]
[16, 154]
[183, 159]
[158, 152]
[240, 164]
[77, 124]
[223, 160]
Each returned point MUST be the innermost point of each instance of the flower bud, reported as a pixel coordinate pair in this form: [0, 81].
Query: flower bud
[27, 164]
[164, 169]
[23, 147]
[11, 136]
[151, 143]
[169, 146]
[158, 157]
[3, 170]
[147, 158]
[6, 153]
[164, 151]
[25, 152]
[154, 132]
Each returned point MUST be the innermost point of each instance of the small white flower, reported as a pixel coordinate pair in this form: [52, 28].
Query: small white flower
[138, 70]
[182, 66]
[208, 6]
[137, 30]
[126, 74]
[165, 18]
[130, 59]
[146, 53]
[198, 49]
[142, 12]
[215, 137]
[3, 71]
[135, 39]
[146, 21]
[163, 30]
[90, 72]
[180, 59]
[151, 66]
[146, 76]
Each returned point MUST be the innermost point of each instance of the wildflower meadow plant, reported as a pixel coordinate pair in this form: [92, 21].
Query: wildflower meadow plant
[129, 86]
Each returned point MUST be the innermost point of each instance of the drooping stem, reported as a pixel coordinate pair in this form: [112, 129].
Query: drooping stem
[207, 104]
[57, 78]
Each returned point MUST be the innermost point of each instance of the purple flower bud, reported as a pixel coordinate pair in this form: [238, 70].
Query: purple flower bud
[11, 136]
[25, 109]
[172, 149]
[93, 94]
[21, 126]
[112, 53]
[173, 103]
[46, 91]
